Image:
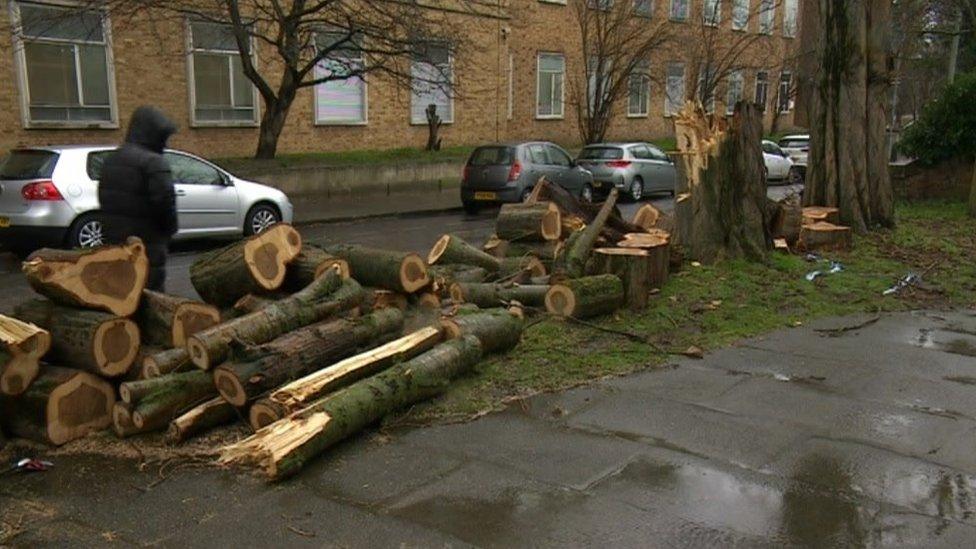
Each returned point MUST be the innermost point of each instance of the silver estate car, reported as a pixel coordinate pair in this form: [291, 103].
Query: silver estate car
[636, 169]
[49, 197]
[507, 172]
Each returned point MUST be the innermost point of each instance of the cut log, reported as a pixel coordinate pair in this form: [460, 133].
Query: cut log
[302, 352]
[822, 237]
[310, 264]
[396, 271]
[579, 249]
[442, 276]
[156, 402]
[122, 420]
[451, 249]
[651, 239]
[495, 246]
[283, 448]
[571, 224]
[60, 406]
[496, 295]
[426, 300]
[529, 222]
[816, 214]
[109, 278]
[22, 345]
[519, 268]
[647, 216]
[165, 362]
[377, 299]
[787, 222]
[253, 303]
[97, 342]
[253, 265]
[297, 394]
[586, 297]
[498, 330]
[635, 268]
[210, 414]
[167, 320]
[325, 297]
[546, 251]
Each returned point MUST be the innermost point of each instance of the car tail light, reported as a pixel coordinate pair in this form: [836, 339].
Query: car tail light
[41, 190]
[467, 170]
[619, 163]
[515, 172]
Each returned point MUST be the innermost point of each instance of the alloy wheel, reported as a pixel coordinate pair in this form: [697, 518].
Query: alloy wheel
[636, 189]
[586, 195]
[263, 219]
[90, 234]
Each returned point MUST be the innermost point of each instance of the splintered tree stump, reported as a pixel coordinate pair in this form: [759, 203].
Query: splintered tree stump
[451, 249]
[22, 345]
[396, 271]
[496, 295]
[310, 264]
[165, 362]
[302, 352]
[529, 222]
[325, 297]
[97, 342]
[586, 297]
[498, 330]
[647, 216]
[635, 267]
[816, 214]
[109, 278]
[824, 236]
[60, 406]
[156, 402]
[210, 414]
[167, 320]
[254, 265]
[283, 448]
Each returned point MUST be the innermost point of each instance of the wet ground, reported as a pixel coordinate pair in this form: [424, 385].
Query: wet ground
[793, 439]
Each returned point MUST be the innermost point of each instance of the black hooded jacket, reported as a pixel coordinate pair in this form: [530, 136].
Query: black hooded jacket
[135, 190]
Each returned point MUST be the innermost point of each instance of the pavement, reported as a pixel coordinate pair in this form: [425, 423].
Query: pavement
[796, 438]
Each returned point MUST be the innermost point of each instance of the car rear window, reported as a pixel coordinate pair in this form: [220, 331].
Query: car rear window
[492, 156]
[28, 164]
[95, 162]
[794, 143]
[601, 153]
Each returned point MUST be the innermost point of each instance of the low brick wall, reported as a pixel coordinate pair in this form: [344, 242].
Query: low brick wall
[365, 180]
[949, 180]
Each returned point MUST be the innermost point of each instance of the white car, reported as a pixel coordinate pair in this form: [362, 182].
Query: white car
[798, 147]
[779, 167]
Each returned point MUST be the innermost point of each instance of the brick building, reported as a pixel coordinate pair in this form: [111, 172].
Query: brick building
[77, 81]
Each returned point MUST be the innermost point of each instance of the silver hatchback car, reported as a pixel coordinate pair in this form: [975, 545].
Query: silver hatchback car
[636, 169]
[49, 197]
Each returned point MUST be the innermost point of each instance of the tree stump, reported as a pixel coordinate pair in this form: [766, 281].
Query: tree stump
[309, 265]
[22, 345]
[396, 271]
[585, 297]
[529, 222]
[816, 214]
[786, 225]
[452, 249]
[824, 237]
[109, 278]
[168, 320]
[635, 268]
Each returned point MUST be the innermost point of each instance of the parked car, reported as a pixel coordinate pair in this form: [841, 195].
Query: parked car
[507, 172]
[49, 197]
[779, 167]
[636, 169]
[798, 148]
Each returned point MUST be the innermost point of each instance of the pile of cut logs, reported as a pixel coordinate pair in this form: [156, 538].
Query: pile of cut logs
[809, 229]
[308, 344]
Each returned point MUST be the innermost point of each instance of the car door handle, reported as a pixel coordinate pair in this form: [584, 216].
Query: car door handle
[180, 193]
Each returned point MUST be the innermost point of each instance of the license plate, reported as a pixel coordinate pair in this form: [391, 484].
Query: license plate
[485, 196]
[4, 222]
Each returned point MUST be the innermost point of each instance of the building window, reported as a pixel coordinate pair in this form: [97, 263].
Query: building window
[789, 18]
[679, 10]
[734, 94]
[674, 93]
[712, 12]
[432, 74]
[597, 76]
[784, 97]
[762, 90]
[220, 92]
[639, 91]
[602, 5]
[644, 8]
[767, 15]
[511, 86]
[740, 14]
[66, 74]
[342, 100]
[549, 93]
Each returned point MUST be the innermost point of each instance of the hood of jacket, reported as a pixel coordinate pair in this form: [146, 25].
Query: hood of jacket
[150, 128]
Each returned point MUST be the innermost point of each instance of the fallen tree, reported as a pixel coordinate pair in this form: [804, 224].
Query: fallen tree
[168, 320]
[22, 345]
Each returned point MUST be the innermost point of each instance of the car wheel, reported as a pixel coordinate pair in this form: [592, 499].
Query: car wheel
[637, 189]
[794, 177]
[524, 197]
[471, 207]
[87, 231]
[259, 218]
[586, 194]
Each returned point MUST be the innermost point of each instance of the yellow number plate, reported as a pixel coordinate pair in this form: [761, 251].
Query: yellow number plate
[4, 222]
[485, 196]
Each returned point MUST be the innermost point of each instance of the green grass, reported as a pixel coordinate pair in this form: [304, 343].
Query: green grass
[713, 306]
[348, 158]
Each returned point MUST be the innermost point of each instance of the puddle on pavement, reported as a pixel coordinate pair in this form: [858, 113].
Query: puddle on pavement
[949, 341]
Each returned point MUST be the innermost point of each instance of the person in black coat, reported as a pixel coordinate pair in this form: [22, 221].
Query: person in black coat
[136, 192]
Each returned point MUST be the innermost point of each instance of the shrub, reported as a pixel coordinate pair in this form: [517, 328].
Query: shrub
[947, 127]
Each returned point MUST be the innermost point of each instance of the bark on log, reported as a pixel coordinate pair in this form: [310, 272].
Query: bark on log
[167, 320]
[816, 214]
[210, 414]
[451, 249]
[310, 264]
[586, 297]
[529, 222]
[155, 402]
[498, 330]
[325, 297]
[822, 237]
[635, 268]
[519, 268]
[283, 448]
[396, 271]
[22, 345]
[579, 249]
[495, 246]
[442, 276]
[545, 251]
[297, 394]
[496, 295]
[60, 406]
[789, 219]
[253, 303]
[254, 265]
[302, 352]
[109, 278]
[166, 362]
[97, 342]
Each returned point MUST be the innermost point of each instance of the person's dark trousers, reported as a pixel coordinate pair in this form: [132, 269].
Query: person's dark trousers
[156, 251]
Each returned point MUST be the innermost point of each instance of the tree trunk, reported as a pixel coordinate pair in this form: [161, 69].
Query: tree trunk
[155, 402]
[972, 194]
[529, 222]
[22, 345]
[721, 204]
[283, 448]
[396, 271]
[302, 352]
[213, 413]
[272, 123]
[60, 406]
[848, 163]
[635, 267]
[109, 278]
[253, 265]
[97, 342]
[498, 330]
[323, 298]
[586, 297]
[451, 249]
[496, 295]
[166, 362]
[167, 320]
[433, 128]
[310, 264]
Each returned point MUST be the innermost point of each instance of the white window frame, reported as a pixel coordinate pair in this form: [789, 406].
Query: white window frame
[538, 87]
[779, 93]
[790, 7]
[767, 16]
[755, 91]
[20, 68]
[650, 9]
[319, 121]
[738, 5]
[646, 86]
[450, 91]
[734, 76]
[717, 19]
[557, 2]
[667, 92]
[683, 18]
[191, 84]
[511, 86]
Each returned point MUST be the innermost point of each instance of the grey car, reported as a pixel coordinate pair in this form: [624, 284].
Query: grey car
[49, 197]
[636, 169]
[507, 172]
